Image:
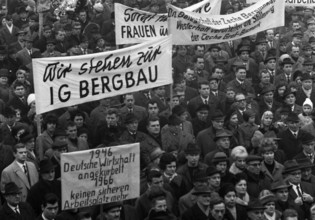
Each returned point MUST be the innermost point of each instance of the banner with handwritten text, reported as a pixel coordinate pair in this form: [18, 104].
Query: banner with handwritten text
[66, 81]
[99, 176]
[136, 26]
[192, 28]
[301, 3]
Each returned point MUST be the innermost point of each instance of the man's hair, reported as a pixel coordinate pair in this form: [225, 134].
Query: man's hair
[112, 111]
[49, 119]
[77, 113]
[70, 124]
[50, 198]
[17, 84]
[195, 58]
[152, 118]
[289, 213]
[153, 174]
[152, 102]
[217, 67]
[18, 146]
[263, 72]
[200, 45]
[240, 68]
[203, 83]
[59, 30]
[215, 201]
[128, 94]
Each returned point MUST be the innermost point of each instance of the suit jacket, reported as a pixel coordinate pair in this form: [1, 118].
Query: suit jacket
[141, 99]
[289, 144]
[302, 155]
[16, 103]
[139, 111]
[307, 35]
[205, 141]
[17, 46]
[190, 93]
[24, 58]
[184, 172]
[7, 37]
[186, 201]
[43, 142]
[55, 53]
[194, 213]
[301, 96]
[281, 78]
[305, 188]
[14, 173]
[26, 212]
[245, 88]
[194, 103]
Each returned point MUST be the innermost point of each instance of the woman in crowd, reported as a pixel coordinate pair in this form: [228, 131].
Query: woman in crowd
[266, 125]
[238, 155]
[240, 184]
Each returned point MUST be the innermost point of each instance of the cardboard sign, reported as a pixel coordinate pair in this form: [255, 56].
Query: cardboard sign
[100, 176]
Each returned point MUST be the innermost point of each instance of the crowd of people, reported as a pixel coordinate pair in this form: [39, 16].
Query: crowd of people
[232, 138]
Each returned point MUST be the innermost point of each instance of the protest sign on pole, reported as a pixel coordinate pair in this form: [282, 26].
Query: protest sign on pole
[136, 26]
[99, 176]
[66, 81]
[191, 28]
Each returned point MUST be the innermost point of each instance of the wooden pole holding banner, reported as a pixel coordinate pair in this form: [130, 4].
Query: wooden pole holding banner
[101, 213]
[40, 23]
[277, 61]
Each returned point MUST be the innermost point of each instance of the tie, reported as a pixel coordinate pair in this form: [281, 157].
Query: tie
[30, 52]
[148, 96]
[295, 134]
[206, 102]
[231, 44]
[288, 79]
[25, 169]
[27, 173]
[130, 110]
[299, 191]
[310, 156]
[271, 44]
[17, 211]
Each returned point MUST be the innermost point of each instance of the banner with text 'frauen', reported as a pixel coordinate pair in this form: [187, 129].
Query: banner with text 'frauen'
[135, 26]
[66, 81]
[98, 176]
[191, 28]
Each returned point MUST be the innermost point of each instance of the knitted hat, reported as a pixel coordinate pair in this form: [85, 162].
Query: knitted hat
[98, 7]
[30, 98]
[308, 102]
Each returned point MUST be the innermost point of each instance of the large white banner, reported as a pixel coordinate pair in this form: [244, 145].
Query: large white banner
[192, 28]
[65, 81]
[136, 26]
[99, 176]
[301, 3]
